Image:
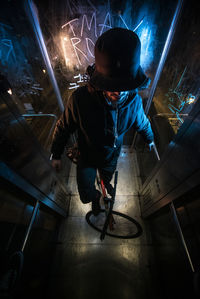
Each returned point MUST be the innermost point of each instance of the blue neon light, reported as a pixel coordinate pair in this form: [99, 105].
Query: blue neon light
[144, 27]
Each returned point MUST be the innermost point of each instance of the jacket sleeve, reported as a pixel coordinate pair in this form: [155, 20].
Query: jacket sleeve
[142, 123]
[66, 125]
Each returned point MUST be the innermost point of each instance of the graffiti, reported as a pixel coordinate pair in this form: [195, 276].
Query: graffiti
[71, 45]
[6, 45]
[78, 36]
[70, 25]
[178, 99]
[123, 21]
[89, 25]
[75, 41]
[14, 64]
[6, 50]
[140, 23]
[137, 26]
[81, 78]
[27, 86]
[3, 29]
[146, 51]
[178, 111]
[106, 24]
[80, 45]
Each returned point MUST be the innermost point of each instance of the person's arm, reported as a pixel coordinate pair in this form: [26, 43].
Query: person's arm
[65, 126]
[142, 124]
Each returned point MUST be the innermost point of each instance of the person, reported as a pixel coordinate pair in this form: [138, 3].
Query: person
[102, 111]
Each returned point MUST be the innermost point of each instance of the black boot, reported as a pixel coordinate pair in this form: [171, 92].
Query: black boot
[96, 208]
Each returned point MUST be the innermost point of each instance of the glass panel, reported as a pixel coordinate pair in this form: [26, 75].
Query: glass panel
[71, 28]
[23, 70]
[15, 216]
[178, 87]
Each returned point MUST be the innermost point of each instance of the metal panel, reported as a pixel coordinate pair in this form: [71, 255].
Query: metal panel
[179, 169]
[24, 157]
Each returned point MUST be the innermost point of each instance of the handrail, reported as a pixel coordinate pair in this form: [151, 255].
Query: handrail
[39, 114]
[33, 217]
[160, 114]
[44, 115]
[169, 114]
[178, 226]
[156, 151]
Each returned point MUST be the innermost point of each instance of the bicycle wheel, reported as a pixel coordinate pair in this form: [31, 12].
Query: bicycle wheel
[125, 227]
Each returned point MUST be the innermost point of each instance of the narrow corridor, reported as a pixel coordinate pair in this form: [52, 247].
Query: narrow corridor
[85, 267]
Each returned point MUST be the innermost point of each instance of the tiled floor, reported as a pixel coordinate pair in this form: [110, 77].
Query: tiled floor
[85, 267]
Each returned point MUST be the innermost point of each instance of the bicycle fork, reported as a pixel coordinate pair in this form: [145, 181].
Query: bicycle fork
[108, 202]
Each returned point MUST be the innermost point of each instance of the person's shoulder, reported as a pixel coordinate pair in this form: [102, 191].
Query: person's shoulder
[137, 98]
[82, 96]
[80, 92]
[133, 98]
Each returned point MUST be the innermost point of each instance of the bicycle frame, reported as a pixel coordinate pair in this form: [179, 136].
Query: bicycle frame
[108, 202]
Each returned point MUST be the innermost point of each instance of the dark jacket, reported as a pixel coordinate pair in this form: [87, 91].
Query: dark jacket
[100, 127]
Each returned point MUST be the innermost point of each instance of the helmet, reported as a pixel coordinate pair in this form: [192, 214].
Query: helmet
[117, 61]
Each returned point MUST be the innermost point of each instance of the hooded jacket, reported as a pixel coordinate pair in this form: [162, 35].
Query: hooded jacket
[100, 127]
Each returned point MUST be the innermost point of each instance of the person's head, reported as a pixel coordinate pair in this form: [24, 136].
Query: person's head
[117, 63]
[115, 96]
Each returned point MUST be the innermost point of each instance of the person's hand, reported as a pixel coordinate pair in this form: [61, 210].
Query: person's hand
[151, 145]
[56, 164]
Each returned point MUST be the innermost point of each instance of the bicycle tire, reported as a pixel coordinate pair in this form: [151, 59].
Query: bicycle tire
[132, 236]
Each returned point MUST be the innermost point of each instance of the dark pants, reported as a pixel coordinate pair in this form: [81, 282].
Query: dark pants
[86, 175]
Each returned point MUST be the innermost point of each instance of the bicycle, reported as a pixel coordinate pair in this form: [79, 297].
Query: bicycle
[106, 222]
[110, 226]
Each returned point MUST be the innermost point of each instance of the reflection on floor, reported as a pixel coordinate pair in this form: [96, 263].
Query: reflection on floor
[85, 267]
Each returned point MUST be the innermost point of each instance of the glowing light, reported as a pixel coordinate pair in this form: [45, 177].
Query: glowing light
[9, 91]
[138, 26]
[89, 25]
[123, 21]
[107, 23]
[77, 36]
[44, 71]
[190, 99]
[146, 49]
[75, 41]
[67, 60]
[70, 25]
